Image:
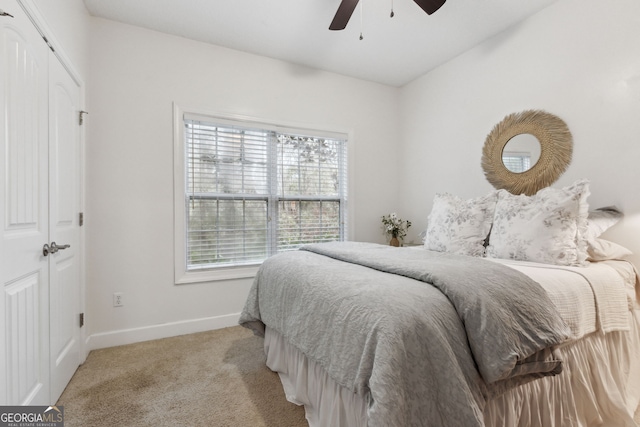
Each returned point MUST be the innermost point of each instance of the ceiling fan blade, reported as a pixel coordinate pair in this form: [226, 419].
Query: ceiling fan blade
[430, 6]
[345, 10]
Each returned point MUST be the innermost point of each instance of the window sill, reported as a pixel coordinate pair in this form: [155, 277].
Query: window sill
[215, 275]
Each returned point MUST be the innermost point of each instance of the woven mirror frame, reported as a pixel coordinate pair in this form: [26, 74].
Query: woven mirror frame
[556, 148]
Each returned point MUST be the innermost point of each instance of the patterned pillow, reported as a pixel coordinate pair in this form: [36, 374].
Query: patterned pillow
[460, 226]
[548, 227]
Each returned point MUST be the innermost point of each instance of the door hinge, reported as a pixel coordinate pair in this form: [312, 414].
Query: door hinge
[81, 117]
[81, 320]
[48, 44]
[81, 219]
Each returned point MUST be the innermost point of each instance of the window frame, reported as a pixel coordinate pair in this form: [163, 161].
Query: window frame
[184, 276]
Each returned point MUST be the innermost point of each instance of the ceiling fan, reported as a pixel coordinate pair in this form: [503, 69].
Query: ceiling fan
[346, 8]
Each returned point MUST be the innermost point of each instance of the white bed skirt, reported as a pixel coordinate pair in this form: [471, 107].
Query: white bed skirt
[600, 386]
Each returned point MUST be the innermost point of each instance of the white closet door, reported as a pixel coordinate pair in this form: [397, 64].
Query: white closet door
[24, 215]
[64, 229]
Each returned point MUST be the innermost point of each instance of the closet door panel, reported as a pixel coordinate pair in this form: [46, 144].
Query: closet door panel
[64, 207]
[24, 217]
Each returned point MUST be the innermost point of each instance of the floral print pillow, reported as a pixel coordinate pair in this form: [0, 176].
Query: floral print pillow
[460, 226]
[548, 227]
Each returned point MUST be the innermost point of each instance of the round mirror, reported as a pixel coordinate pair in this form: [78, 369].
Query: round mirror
[555, 143]
[521, 153]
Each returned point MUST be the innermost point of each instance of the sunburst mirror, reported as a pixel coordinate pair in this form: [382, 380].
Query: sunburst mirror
[539, 150]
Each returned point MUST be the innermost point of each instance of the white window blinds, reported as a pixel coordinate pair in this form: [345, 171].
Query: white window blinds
[252, 191]
[516, 162]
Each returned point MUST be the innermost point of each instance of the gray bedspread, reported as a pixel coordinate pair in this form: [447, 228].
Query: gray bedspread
[427, 337]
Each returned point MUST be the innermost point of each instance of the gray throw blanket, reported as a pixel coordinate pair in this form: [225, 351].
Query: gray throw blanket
[427, 337]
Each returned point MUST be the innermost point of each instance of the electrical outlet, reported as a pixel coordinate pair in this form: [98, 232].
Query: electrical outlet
[117, 299]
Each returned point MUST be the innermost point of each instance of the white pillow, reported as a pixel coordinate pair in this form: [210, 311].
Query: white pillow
[548, 227]
[601, 250]
[601, 219]
[460, 226]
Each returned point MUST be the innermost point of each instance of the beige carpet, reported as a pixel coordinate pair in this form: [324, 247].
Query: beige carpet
[216, 378]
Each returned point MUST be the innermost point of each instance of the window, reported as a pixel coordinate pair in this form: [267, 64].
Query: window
[252, 190]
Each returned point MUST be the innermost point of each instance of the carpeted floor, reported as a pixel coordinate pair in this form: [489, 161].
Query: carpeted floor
[216, 378]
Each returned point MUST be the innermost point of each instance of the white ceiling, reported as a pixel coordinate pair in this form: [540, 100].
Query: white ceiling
[394, 51]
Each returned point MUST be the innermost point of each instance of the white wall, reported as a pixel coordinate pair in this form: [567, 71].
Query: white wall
[578, 59]
[135, 76]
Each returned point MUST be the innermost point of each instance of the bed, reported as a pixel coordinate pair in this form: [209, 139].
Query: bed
[455, 333]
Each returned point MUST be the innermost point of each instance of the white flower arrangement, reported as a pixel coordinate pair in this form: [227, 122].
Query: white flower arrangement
[396, 227]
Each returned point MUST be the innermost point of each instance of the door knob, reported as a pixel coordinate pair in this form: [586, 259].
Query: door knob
[55, 248]
[46, 249]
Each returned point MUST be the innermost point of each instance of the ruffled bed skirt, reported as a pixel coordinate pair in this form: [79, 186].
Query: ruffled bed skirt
[600, 386]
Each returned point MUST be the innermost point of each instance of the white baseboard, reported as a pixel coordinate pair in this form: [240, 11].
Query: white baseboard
[154, 332]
